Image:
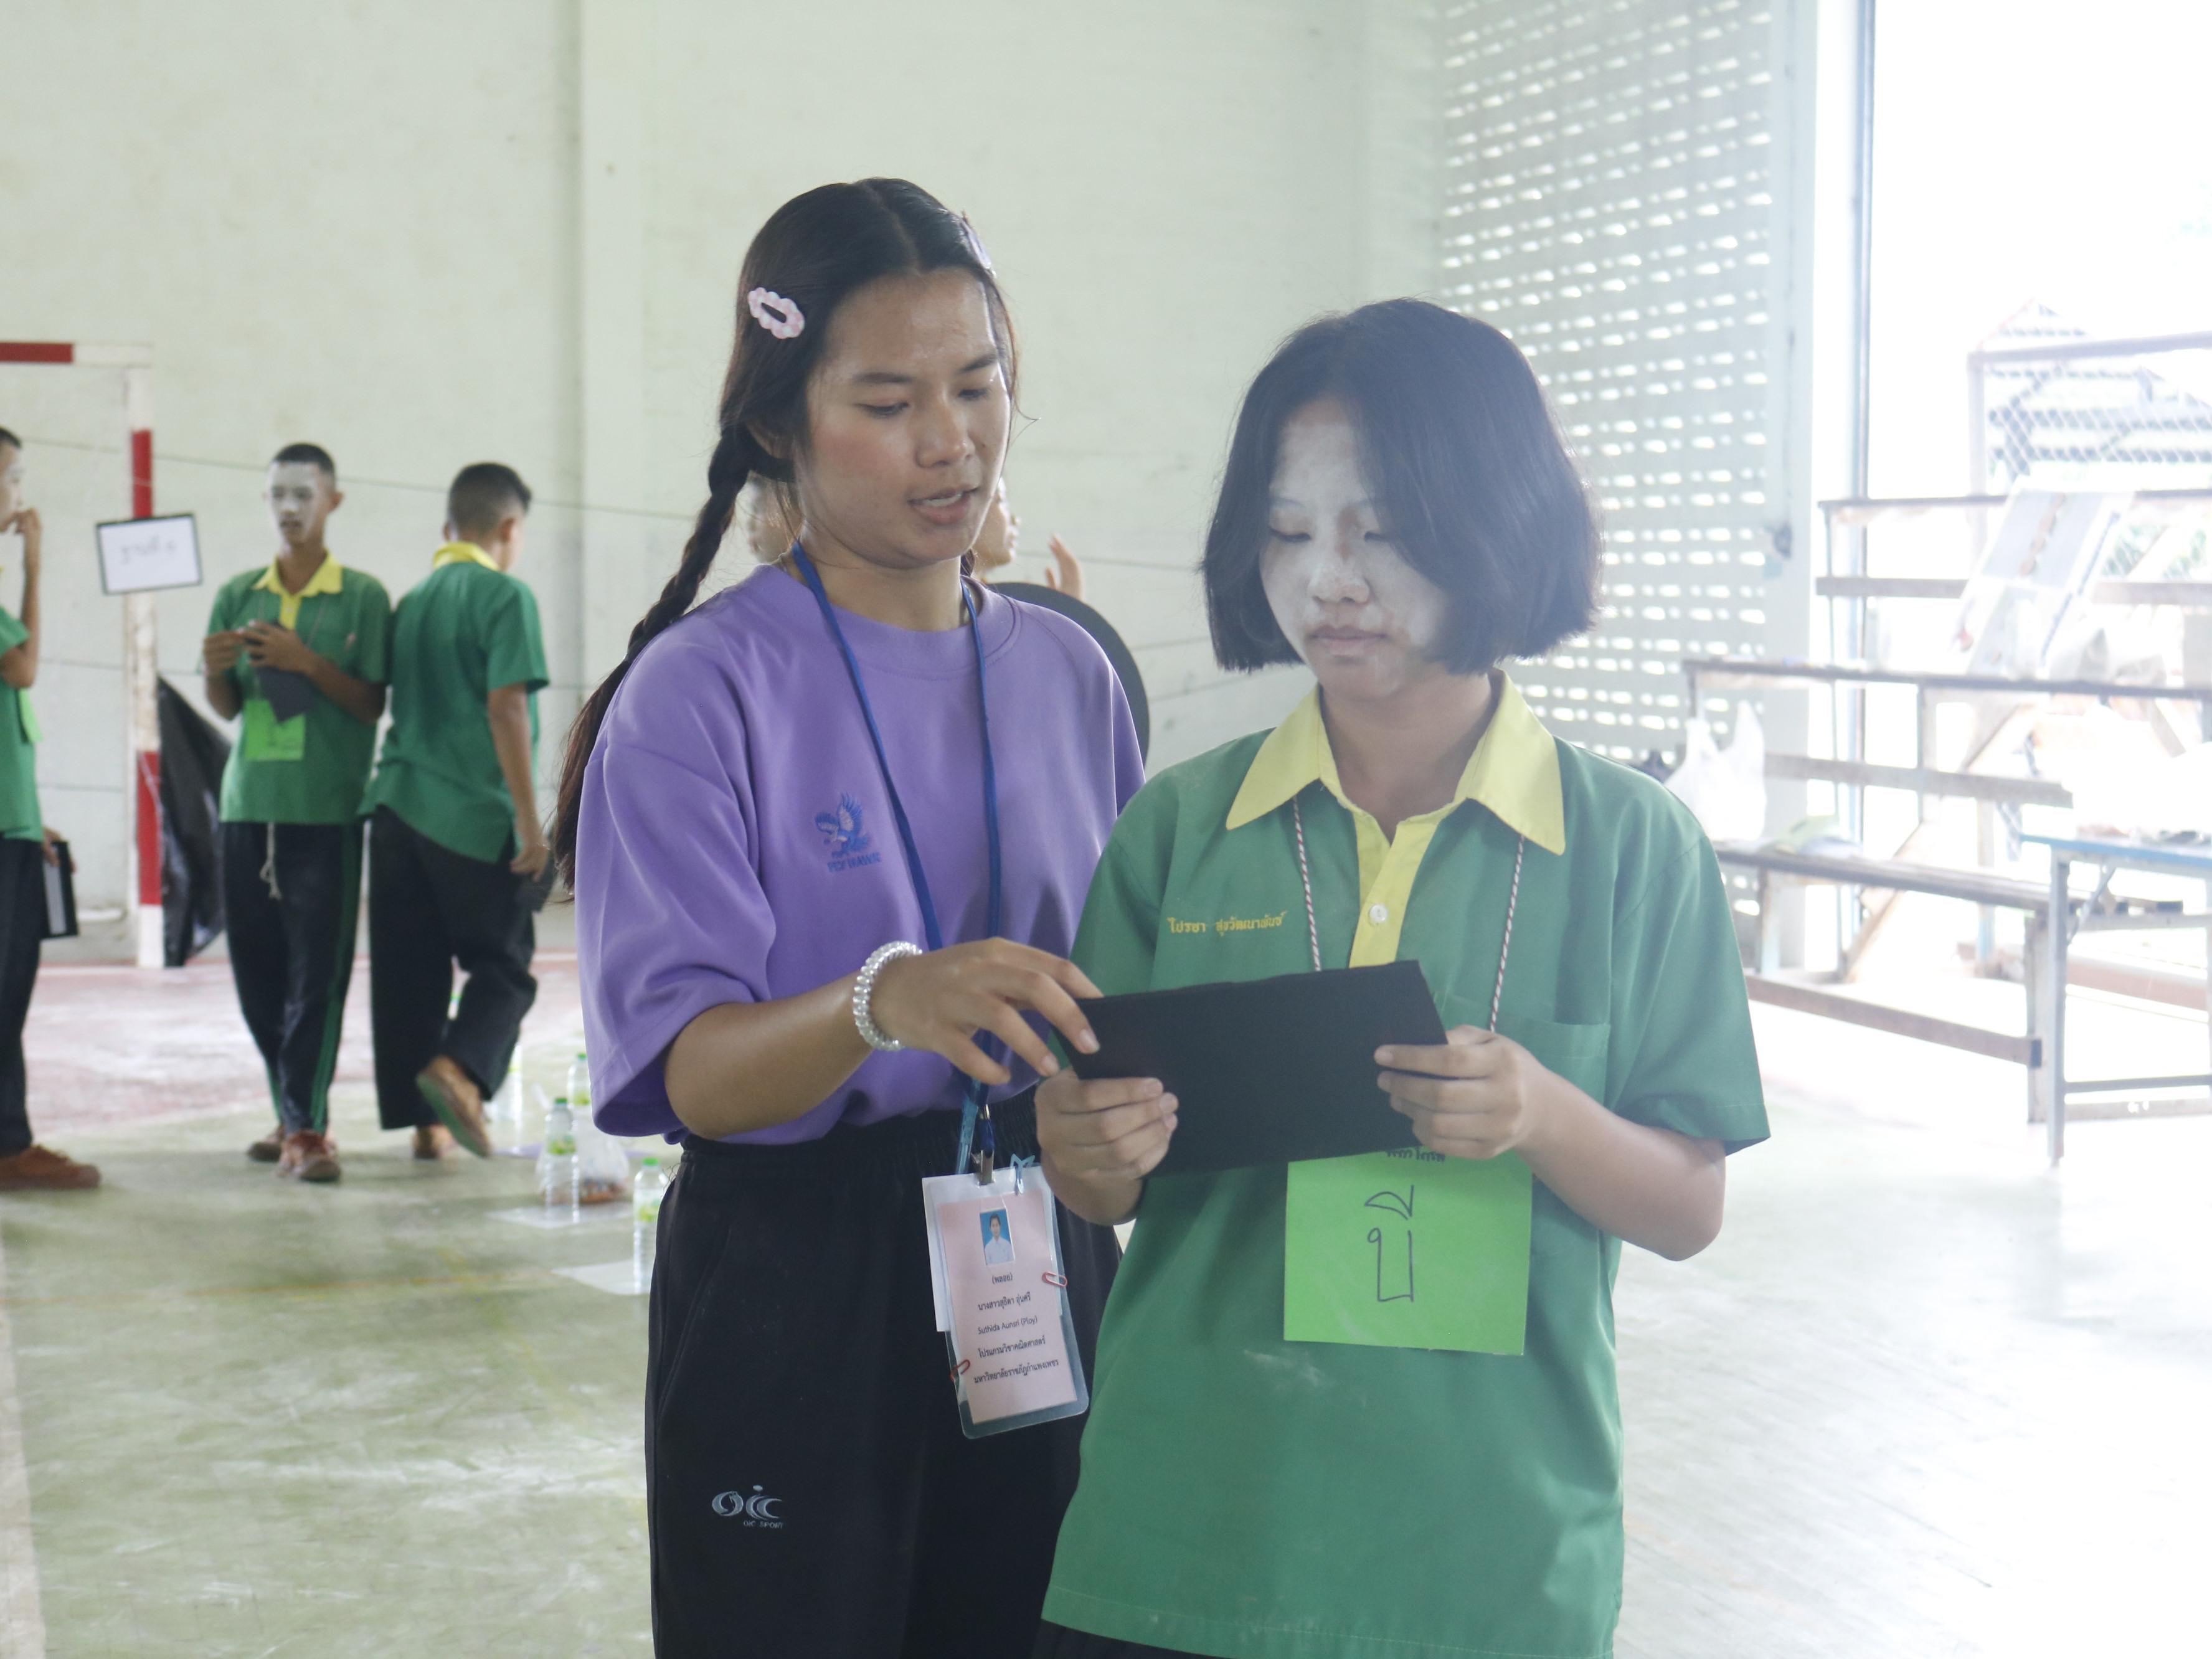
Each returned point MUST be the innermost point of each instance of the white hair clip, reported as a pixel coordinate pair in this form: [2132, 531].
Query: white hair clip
[975, 244]
[778, 315]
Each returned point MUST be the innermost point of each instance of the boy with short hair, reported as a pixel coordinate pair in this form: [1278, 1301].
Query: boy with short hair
[456, 845]
[26, 848]
[300, 648]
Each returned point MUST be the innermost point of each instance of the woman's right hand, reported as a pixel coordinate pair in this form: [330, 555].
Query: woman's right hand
[941, 1000]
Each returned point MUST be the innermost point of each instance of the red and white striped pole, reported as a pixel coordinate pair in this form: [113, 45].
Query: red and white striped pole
[140, 664]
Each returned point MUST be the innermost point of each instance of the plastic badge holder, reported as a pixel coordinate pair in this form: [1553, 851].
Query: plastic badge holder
[1012, 1351]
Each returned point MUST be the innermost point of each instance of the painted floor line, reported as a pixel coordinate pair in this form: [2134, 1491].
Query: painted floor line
[22, 1624]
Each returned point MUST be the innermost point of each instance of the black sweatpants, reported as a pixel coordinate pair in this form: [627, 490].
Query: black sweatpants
[22, 925]
[794, 1358]
[291, 953]
[429, 907]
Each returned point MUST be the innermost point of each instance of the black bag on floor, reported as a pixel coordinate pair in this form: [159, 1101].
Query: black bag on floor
[193, 755]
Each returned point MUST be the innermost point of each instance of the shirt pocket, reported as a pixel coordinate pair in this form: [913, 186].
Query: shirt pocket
[1576, 1053]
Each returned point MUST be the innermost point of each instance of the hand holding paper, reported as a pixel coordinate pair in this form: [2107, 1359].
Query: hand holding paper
[273, 646]
[943, 1001]
[1267, 1071]
[1100, 1139]
[1477, 1096]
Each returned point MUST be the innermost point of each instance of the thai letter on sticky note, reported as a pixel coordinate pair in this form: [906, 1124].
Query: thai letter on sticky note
[1409, 1249]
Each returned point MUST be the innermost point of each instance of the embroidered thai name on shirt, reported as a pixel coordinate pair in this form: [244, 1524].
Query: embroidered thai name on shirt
[1228, 924]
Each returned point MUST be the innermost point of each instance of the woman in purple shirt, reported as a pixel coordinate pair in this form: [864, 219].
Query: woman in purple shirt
[747, 909]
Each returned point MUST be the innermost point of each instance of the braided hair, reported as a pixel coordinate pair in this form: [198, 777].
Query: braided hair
[814, 252]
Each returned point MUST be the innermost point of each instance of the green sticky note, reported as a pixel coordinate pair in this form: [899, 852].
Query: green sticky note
[1408, 1250]
[268, 739]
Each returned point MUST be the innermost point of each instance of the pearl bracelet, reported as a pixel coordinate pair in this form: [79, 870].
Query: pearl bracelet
[863, 991]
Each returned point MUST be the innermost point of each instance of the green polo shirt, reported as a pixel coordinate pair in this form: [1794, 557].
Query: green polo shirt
[1245, 1495]
[461, 632]
[312, 768]
[19, 750]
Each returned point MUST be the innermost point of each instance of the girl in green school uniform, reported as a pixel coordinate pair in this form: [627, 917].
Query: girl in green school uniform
[1299, 1446]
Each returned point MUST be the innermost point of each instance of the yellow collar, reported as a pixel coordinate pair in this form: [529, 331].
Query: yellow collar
[457, 552]
[1514, 771]
[329, 578]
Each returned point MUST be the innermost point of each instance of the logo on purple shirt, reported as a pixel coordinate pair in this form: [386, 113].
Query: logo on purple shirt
[842, 834]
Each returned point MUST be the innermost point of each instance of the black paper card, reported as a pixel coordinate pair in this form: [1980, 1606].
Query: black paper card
[1269, 1070]
[289, 694]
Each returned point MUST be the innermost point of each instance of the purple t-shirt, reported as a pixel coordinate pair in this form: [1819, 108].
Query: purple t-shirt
[736, 843]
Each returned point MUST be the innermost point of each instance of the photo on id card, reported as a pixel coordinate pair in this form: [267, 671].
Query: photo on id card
[1001, 1291]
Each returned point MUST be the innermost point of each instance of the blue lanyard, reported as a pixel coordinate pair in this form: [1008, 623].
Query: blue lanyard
[975, 1106]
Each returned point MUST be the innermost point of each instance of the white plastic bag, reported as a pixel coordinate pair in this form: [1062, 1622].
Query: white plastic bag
[1724, 789]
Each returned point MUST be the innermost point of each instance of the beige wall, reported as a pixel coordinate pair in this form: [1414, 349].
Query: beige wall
[426, 235]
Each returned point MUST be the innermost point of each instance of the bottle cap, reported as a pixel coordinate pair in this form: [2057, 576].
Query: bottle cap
[653, 1163]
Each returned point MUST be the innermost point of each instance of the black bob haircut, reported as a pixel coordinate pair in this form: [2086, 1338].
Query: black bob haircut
[483, 493]
[1471, 478]
[311, 454]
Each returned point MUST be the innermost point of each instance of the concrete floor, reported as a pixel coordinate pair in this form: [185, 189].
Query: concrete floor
[1925, 1398]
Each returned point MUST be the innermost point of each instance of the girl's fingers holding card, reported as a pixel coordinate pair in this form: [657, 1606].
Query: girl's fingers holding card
[1111, 1091]
[1116, 1124]
[1470, 1052]
[1433, 1094]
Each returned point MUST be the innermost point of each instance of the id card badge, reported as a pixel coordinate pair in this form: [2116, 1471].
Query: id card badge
[268, 739]
[1001, 1292]
[1409, 1249]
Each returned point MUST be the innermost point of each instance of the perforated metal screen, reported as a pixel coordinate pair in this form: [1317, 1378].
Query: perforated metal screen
[1614, 202]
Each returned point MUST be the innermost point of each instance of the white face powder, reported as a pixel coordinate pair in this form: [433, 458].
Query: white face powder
[300, 500]
[1362, 619]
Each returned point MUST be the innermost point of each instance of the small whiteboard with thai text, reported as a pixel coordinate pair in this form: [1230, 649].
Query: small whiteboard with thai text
[139, 555]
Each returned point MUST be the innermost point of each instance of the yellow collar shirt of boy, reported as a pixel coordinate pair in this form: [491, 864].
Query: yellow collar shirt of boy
[465, 630]
[460, 552]
[20, 818]
[310, 768]
[329, 578]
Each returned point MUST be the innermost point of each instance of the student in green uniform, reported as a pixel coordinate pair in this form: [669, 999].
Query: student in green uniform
[456, 848]
[26, 850]
[1298, 1445]
[299, 648]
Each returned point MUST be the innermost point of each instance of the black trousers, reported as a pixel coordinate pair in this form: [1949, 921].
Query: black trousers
[794, 1358]
[22, 925]
[429, 908]
[291, 894]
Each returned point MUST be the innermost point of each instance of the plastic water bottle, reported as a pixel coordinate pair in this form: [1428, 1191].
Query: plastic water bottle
[579, 1085]
[506, 1106]
[562, 1174]
[645, 1223]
